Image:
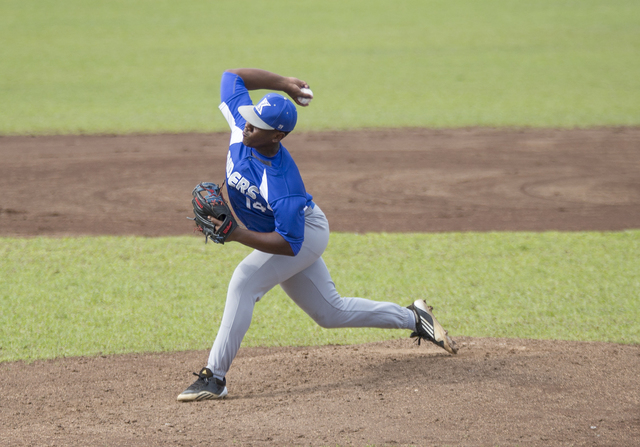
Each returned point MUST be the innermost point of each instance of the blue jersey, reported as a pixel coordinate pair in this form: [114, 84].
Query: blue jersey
[267, 193]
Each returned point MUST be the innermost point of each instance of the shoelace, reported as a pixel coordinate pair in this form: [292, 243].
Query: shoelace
[419, 337]
[205, 378]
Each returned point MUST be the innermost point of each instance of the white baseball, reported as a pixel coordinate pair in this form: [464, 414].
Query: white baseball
[303, 100]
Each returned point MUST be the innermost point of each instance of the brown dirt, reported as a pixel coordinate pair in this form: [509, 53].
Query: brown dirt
[425, 180]
[494, 392]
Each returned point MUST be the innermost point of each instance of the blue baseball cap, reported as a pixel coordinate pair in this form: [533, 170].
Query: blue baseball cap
[273, 112]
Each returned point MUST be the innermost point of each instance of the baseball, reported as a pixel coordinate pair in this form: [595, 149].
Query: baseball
[305, 100]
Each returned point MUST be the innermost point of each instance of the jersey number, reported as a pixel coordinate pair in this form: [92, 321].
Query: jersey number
[255, 205]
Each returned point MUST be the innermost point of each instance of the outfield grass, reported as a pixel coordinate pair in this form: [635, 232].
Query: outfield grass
[121, 66]
[83, 296]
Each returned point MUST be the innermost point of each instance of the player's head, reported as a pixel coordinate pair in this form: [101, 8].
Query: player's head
[272, 112]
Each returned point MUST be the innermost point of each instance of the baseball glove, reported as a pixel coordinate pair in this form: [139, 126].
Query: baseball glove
[208, 201]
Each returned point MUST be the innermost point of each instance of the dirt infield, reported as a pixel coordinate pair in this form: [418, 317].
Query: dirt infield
[494, 392]
[426, 180]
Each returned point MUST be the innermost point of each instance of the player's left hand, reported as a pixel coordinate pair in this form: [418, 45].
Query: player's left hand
[218, 223]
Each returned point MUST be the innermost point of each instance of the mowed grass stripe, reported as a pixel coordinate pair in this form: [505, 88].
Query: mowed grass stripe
[78, 66]
[83, 296]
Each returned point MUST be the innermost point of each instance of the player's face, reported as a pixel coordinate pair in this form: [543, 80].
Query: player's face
[260, 138]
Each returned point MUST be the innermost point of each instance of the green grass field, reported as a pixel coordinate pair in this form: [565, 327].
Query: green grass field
[88, 66]
[83, 296]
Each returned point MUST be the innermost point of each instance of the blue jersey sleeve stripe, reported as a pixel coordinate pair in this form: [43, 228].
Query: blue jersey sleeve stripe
[236, 132]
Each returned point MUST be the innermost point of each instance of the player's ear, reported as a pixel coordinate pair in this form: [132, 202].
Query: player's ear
[278, 137]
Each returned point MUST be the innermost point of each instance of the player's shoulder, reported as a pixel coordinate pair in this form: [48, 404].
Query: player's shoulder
[231, 78]
[233, 91]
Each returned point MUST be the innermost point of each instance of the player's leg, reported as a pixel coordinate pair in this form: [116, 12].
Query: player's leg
[252, 279]
[255, 275]
[313, 290]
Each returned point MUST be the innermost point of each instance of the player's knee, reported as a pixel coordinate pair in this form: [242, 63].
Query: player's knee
[324, 323]
[244, 296]
[327, 321]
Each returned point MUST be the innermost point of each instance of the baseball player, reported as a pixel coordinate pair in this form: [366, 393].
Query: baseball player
[287, 230]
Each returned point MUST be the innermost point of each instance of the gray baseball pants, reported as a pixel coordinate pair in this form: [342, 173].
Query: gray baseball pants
[307, 281]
